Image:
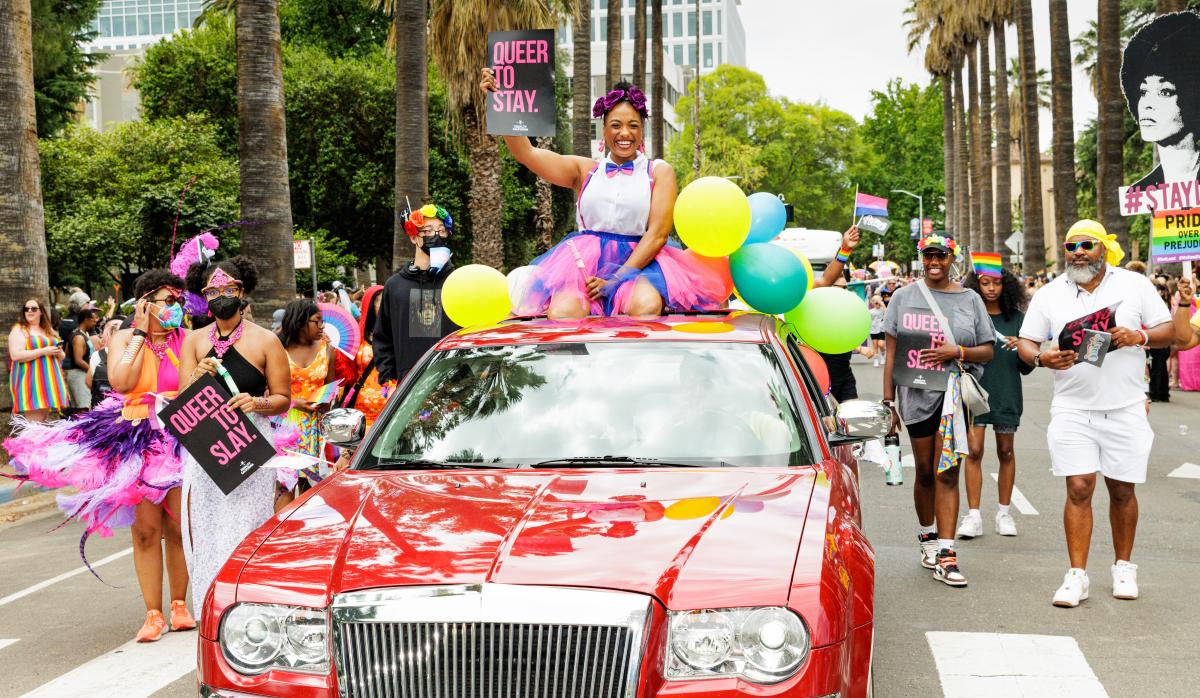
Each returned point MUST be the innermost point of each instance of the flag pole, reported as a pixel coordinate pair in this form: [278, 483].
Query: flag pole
[854, 210]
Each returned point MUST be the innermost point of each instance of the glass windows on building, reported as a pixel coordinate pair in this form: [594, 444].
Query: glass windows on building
[128, 24]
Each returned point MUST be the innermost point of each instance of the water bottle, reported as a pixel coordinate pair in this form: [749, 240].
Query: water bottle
[895, 469]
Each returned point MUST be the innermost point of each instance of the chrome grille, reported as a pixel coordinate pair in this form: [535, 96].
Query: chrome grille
[489, 641]
[484, 660]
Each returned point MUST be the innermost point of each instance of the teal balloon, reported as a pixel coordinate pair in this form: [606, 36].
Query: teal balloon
[831, 320]
[769, 278]
[768, 217]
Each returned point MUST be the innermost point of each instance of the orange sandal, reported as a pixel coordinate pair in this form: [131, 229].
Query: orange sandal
[153, 628]
[180, 618]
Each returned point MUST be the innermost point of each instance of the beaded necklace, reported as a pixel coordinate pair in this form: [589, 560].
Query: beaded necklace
[222, 345]
[159, 350]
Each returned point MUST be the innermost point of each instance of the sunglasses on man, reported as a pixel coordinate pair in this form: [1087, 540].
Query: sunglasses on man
[1087, 245]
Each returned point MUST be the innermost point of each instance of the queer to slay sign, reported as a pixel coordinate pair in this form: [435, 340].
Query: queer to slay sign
[918, 330]
[225, 443]
[523, 103]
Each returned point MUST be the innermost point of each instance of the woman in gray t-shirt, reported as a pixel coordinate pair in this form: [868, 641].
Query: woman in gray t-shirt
[909, 325]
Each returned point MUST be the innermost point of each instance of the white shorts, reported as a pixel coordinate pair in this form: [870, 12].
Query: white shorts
[1115, 443]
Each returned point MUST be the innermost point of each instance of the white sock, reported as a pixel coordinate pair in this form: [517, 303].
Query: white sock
[1001, 508]
[1120, 563]
[974, 513]
[931, 528]
[945, 544]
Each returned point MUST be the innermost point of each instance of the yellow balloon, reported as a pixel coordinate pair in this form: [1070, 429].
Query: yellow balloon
[712, 216]
[475, 295]
[807, 266]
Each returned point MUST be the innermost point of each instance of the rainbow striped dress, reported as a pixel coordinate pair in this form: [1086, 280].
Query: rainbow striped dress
[37, 384]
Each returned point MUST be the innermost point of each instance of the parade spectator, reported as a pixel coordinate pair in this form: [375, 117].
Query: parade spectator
[936, 420]
[79, 355]
[1005, 300]
[1160, 378]
[367, 395]
[35, 372]
[878, 311]
[311, 365]
[97, 376]
[1098, 422]
[1187, 321]
[411, 319]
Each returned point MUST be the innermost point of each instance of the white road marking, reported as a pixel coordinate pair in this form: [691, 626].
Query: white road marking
[129, 671]
[995, 665]
[65, 575]
[1189, 470]
[6, 643]
[1022, 504]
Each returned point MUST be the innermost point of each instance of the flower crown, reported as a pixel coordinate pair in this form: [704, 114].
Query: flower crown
[415, 219]
[935, 239]
[634, 95]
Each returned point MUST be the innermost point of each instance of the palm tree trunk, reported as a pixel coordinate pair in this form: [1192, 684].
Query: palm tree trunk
[543, 205]
[22, 220]
[581, 82]
[1003, 144]
[696, 103]
[987, 227]
[962, 222]
[639, 43]
[948, 141]
[412, 125]
[1031, 158]
[1065, 206]
[1165, 6]
[656, 63]
[975, 150]
[484, 197]
[262, 153]
[613, 72]
[1110, 126]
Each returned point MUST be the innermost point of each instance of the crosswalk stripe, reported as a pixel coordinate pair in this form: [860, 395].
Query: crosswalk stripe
[1188, 470]
[6, 643]
[1022, 504]
[982, 665]
[65, 575]
[130, 671]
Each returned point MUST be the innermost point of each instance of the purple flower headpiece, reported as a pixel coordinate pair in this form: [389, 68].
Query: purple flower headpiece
[635, 97]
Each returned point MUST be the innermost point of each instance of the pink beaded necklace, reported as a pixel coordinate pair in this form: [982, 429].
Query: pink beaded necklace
[220, 346]
[160, 350]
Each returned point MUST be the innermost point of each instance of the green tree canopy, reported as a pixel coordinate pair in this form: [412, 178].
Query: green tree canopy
[61, 70]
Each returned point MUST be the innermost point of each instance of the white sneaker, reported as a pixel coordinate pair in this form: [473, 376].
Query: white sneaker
[875, 363]
[1005, 526]
[971, 526]
[1124, 576]
[1073, 590]
[929, 549]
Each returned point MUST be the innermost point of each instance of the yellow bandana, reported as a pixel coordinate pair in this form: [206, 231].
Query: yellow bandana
[1092, 229]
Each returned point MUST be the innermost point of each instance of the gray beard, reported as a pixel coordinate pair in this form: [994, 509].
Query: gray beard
[1083, 275]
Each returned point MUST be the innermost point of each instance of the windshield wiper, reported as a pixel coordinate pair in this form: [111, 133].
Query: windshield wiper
[428, 464]
[622, 460]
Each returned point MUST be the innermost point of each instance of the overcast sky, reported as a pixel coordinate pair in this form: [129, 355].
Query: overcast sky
[837, 52]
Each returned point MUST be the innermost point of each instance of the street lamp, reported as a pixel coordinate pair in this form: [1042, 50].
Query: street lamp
[920, 203]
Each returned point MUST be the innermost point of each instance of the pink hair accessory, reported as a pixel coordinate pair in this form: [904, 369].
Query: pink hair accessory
[634, 95]
[197, 249]
[221, 278]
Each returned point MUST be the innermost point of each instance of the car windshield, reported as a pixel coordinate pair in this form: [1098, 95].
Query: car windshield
[705, 403]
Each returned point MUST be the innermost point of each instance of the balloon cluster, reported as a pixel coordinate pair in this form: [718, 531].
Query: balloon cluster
[734, 233]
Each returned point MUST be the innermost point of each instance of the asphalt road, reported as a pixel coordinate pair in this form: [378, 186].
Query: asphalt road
[1000, 636]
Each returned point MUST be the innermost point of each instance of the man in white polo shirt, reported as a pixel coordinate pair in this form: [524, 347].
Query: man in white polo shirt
[1098, 416]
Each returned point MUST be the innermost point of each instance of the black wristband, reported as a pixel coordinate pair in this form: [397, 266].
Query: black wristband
[139, 333]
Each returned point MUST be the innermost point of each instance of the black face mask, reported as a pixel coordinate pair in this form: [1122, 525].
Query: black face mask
[428, 242]
[224, 307]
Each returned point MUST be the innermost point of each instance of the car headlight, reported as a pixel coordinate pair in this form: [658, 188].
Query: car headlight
[259, 637]
[762, 645]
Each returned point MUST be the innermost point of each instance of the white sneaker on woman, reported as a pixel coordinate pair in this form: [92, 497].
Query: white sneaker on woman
[1005, 526]
[1073, 590]
[971, 526]
[1124, 576]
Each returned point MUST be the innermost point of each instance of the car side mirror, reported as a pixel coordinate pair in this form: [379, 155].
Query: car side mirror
[343, 427]
[862, 420]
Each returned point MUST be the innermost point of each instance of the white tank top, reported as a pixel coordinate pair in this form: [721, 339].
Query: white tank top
[619, 203]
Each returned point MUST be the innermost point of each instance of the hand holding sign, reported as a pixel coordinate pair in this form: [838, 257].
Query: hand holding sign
[519, 82]
[1058, 359]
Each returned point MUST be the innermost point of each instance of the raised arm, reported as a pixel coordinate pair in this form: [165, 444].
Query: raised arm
[834, 269]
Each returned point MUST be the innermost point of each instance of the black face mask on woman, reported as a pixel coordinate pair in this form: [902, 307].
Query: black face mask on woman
[224, 307]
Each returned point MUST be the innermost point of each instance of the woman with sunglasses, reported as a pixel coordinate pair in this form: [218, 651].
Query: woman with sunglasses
[124, 464]
[35, 375]
[935, 419]
[312, 365]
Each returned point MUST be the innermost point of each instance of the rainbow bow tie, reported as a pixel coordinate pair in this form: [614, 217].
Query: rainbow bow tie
[611, 169]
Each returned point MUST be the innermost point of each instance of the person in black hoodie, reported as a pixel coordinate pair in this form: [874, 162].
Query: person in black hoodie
[411, 319]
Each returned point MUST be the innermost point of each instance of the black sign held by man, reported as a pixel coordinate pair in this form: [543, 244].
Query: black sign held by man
[1080, 335]
[224, 442]
[523, 102]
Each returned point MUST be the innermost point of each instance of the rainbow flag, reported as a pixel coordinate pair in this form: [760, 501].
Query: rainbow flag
[867, 205]
[988, 264]
[326, 393]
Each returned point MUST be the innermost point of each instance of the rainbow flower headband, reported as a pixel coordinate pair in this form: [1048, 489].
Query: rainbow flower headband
[942, 240]
[416, 219]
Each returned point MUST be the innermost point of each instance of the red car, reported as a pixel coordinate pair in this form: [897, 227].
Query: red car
[609, 507]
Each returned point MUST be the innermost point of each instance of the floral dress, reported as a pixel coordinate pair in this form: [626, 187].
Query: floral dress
[370, 397]
[305, 381]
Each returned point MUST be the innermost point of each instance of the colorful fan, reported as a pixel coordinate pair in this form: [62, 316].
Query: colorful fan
[341, 328]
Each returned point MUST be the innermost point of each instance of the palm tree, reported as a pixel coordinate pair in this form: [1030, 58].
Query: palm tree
[658, 82]
[612, 72]
[1001, 16]
[987, 227]
[461, 26]
[581, 81]
[1110, 128]
[639, 43]
[1016, 110]
[1163, 7]
[926, 23]
[1031, 160]
[262, 152]
[974, 174]
[1065, 206]
[412, 125]
[962, 184]
[22, 223]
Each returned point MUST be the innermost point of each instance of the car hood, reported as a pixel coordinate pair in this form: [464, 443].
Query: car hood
[693, 538]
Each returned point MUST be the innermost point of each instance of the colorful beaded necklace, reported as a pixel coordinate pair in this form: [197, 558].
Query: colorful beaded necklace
[222, 344]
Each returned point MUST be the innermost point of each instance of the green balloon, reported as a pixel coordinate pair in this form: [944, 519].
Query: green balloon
[831, 320]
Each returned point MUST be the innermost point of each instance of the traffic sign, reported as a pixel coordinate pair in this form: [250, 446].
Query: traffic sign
[914, 226]
[1014, 241]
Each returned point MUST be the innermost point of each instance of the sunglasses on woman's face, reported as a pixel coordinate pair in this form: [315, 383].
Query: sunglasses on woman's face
[934, 255]
[33, 309]
[1087, 245]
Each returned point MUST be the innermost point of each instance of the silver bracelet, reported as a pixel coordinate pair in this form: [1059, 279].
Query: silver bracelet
[132, 349]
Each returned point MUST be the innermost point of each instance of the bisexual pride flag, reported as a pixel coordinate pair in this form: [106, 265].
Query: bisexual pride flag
[867, 205]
